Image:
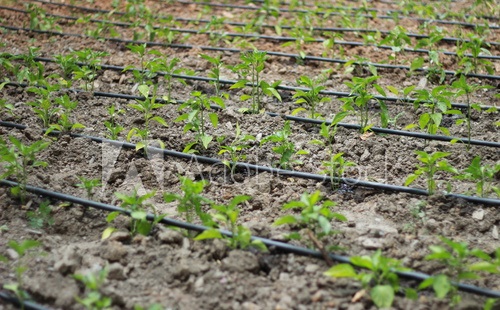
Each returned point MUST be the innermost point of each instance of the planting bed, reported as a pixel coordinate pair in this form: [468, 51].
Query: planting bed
[172, 270]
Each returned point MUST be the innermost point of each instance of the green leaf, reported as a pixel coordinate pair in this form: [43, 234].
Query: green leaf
[112, 216]
[209, 234]
[144, 90]
[159, 120]
[382, 296]
[214, 119]
[205, 140]
[107, 232]
[239, 84]
[341, 271]
[441, 286]
[287, 219]
[275, 93]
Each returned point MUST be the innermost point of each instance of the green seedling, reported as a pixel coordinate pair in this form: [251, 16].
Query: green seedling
[114, 129]
[215, 30]
[482, 175]
[5, 107]
[227, 216]
[39, 19]
[190, 203]
[315, 218]
[336, 167]
[170, 69]
[380, 279]
[301, 36]
[359, 99]
[461, 263]
[147, 107]
[93, 299]
[195, 118]
[360, 66]
[67, 64]
[438, 102]
[136, 205]
[44, 107]
[431, 165]
[476, 46]
[284, 147]
[464, 88]
[398, 40]
[140, 75]
[18, 161]
[214, 73]
[41, 217]
[64, 123]
[329, 45]
[91, 63]
[239, 143]
[88, 185]
[252, 65]
[19, 269]
[311, 97]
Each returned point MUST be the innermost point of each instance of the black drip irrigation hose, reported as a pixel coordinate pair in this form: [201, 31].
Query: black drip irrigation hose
[28, 305]
[280, 87]
[419, 19]
[379, 130]
[235, 50]
[266, 37]
[325, 29]
[281, 246]
[303, 119]
[274, 171]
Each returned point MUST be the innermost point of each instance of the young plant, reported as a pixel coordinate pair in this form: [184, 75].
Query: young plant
[215, 30]
[112, 125]
[477, 46]
[438, 101]
[44, 107]
[482, 175]
[141, 75]
[380, 279]
[19, 269]
[315, 218]
[311, 97]
[137, 206]
[87, 71]
[301, 36]
[214, 73]
[397, 39]
[195, 118]
[65, 123]
[227, 216]
[170, 69]
[147, 108]
[190, 203]
[239, 143]
[41, 217]
[359, 99]
[88, 185]
[93, 299]
[284, 147]
[68, 64]
[457, 259]
[18, 161]
[464, 88]
[431, 165]
[252, 65]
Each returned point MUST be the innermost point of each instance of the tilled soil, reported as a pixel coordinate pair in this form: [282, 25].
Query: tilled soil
[177, 272]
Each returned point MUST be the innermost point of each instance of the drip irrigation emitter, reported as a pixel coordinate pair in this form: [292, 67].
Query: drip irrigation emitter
[375, 129]
[235, 50]
[265, 37]
[189, 20]
[320, 12]
[273, 171]
[272, 244]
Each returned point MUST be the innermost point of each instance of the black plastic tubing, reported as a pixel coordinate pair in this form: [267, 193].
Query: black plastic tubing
[268, 242]
[275, 171]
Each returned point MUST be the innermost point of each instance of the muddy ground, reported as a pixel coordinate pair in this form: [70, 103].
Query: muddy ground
[176, 272]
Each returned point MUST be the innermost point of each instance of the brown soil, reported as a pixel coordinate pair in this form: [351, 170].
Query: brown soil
[171, 269]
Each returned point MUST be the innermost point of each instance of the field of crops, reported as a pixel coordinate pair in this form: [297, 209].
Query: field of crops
[249, 154]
